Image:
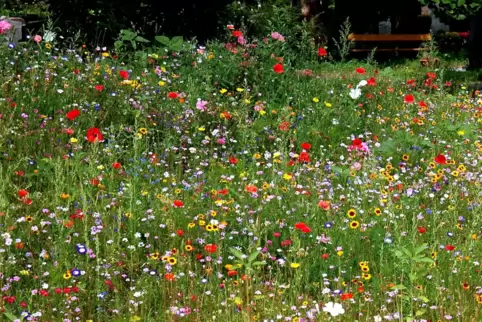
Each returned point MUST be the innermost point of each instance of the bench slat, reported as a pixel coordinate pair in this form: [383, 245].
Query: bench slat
[401, 37]
[386, 49]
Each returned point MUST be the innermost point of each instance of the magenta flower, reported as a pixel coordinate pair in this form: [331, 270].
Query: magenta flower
[4, 26]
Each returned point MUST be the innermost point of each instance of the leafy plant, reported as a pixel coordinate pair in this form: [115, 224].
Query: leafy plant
[176, 43]
[129, 38]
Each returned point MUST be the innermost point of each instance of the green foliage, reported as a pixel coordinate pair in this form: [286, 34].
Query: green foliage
[459, 9]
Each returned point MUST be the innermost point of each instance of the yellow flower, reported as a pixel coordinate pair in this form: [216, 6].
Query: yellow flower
[73, 140]
[239, 89]
[105, 55]
[24, 272]
[316, 99]
[367, 276]
[257, 156]
[354, 224]
[67, 275]
[222, 91]
[461, 132]
[201, 129]
[64, 196]
[287, 176]
[191, 225]
[294, 265]
[161, 83]
[48, 46]
[172, 261]
[143, 130]
[327, 104]
[128, 214]
[339, 253]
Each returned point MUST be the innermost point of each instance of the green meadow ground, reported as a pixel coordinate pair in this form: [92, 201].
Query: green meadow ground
[237, 183]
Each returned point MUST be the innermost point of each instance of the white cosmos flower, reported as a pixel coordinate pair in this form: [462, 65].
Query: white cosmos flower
[362, 83]
[334, 309]
[355, 93]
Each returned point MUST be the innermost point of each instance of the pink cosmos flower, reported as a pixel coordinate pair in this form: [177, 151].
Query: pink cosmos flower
[37, 38]
[4, 26]
[277, 36]
[201, 105]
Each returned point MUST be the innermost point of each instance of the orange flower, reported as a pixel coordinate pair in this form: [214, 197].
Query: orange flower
[251, 188]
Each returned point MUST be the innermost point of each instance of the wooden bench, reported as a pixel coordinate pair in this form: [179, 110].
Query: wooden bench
[374, 38]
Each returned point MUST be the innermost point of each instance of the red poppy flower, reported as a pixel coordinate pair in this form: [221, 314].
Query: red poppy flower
[322, 52]
[431, 75]
[69, 131]
[371, 82]
[233, 160]
[360, 70]
[232, 273]
[305, 146]
[94, 135]
[346, 296]
[178, 203]
[210, 248]
[421, 230]
[440, 159]
[169, 276]
[94, 181]
[276, 234]
[172, 95]
[449, 247]
[325, 256]
[73, 114]
[180, 232]
[251, 188]
[76, 71]
[116, 165]
[302, 227]
[408, 99]
[99, 88]
[278, 69]
[284, 126]
[124, 74]
[237, 33]
[304, 157]
[22, 193]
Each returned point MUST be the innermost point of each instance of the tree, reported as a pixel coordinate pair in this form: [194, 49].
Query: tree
[465, 9]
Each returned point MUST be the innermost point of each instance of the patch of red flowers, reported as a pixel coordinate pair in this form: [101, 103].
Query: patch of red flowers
[99, 88]
[94, 134]
[360, 70]
[440, 159]
[172, 95]
[73, 114]
[278, 68]
[124, 74]
[301, 226]
[408, 99]
[322, 52]
[210, 248]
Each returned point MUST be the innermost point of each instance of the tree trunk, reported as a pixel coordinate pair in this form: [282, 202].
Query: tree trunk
[475, 42]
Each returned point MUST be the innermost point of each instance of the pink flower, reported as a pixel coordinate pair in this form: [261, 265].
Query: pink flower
[201, 105]
[37, 38]
[277, 36]
[323, 204]
[4, 26]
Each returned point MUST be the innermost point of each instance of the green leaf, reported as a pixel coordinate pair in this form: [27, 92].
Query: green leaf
[412, 276]
[177, 40]
[420, 312]
[163, 40]
[460, 3]
[134, 45]
[420, 249]
[423, 260]
[424, 299]
[141, 39]
[10, 316]
[407, 252]
[399, 287]
[253, 256]
[236, 253]
[258, 264]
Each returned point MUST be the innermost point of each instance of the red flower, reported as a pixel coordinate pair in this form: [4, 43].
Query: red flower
[278, 68]
[431, 75]
[22, 193]
[44, 293]
[172, 95]
[304, 157]
[302, 227]
[76, 71]
[233, 160]
[210, 248]
[232, 273]
[94, 135]
[440, 159]
[178, 203]
[421, 230]
[276, 234]
[322, 52]
[305, 146]
[325, 256]
[346, 296]
[251, 188]
[94, 181]
[99, 88]
[449, 247]
[284, 126]
[408, 99]
[237, 33]
[372, 82]
[180, 232]
[116, 165]
[73, 114]
[360, 70]
[124, 74]
[169, 276]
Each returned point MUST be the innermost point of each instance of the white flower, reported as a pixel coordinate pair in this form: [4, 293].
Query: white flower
[362, 83]
[334, 309]
[355, 93]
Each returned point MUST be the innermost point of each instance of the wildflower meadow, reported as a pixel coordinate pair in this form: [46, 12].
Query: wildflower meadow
[235, 182]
